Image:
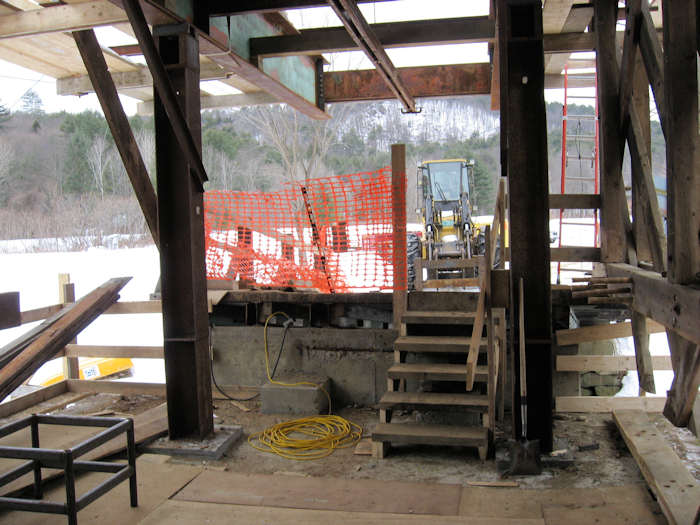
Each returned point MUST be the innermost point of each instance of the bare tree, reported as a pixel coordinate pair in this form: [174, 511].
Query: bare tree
[7, 155]
[98, 160]
[302, 143]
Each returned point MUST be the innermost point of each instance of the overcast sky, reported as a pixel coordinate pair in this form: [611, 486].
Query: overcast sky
[16, 80]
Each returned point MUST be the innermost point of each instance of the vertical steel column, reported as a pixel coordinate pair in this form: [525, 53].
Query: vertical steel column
[520, 25]
[181, 230]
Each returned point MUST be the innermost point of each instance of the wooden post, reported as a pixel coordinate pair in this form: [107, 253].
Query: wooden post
[683, 187]
[645, 368]
[66, 294]
[612, 194]
[640, 101]
[398, 214]
[181, 230]
[520, 26]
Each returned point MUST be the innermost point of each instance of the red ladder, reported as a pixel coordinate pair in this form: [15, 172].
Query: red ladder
[578, 137]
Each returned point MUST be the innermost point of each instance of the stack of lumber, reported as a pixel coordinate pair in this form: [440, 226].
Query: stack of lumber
[604, 290]
[24, 356]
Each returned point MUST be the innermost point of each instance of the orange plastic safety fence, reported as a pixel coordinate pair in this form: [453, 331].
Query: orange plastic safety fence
[332, 234]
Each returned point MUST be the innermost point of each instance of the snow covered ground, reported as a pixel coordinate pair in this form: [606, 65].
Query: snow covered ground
[35, 276]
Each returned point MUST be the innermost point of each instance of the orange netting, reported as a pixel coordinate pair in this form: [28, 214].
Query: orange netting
[333, 234]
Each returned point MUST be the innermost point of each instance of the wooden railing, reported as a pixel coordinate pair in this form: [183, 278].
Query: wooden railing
[73, 351]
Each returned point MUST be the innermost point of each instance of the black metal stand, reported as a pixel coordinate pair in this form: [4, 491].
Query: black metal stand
[67, 461]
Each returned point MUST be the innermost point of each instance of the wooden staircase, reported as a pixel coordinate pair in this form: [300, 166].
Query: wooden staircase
[425, 355]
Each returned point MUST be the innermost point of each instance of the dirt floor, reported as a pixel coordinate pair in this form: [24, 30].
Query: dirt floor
[610, 464]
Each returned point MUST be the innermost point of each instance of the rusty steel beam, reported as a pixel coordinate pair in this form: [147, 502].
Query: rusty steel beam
[361, 32]
[429, 81]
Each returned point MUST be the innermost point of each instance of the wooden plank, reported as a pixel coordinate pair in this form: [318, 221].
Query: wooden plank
[220, 514]
[33, 398]
[452, 283]
[452, 264]
[573, 201]
[602, 332]
[477, 330]
[434, 371]
[600, 292]
[433, 399]
[399, 243]
[676, 490]
[353, 495]
[256, 98]
[607, 363]
[598, 404]
[61, 18]
[50, 342]
[10, 315]
[139, 77]
[144, 352]
[412, 433]
[94, 61]
[66, 294]
[135, 307]
[675, 306]
[576, 254]
[115, 387]
[454, 318]
[37, 314]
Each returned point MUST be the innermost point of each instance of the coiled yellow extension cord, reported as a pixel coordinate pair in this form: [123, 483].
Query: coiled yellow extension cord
[306, 438]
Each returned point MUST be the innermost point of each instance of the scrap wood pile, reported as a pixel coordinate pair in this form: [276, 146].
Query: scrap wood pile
[25, 355]
[603, 290]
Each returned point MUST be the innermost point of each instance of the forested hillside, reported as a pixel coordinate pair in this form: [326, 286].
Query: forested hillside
[61, 175]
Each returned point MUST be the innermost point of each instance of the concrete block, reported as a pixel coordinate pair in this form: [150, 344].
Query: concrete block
[593, 379]
[301, 400]
[606, 390]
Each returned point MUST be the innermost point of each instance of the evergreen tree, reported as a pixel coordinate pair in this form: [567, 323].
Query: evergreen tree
[80, 130]
[5, 115]
[32, 103]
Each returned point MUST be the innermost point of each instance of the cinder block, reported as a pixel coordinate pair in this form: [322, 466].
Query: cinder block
[296, 400]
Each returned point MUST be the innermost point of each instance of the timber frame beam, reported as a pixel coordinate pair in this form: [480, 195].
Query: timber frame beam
[119, 126]
[671, 298]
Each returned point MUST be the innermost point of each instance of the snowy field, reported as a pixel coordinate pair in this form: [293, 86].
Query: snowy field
[35, 275]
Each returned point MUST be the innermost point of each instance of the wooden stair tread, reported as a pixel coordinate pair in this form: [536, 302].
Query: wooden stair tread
[436, 317]
[434, 399]
[415, 433]
[436, 371]
[415, 343]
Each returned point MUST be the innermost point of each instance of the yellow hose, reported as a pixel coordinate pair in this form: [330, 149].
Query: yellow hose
[306, 438]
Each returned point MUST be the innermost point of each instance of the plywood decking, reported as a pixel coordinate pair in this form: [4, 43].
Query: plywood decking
[677, 491]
